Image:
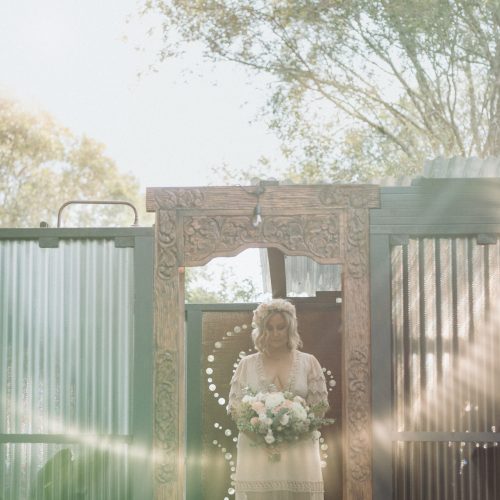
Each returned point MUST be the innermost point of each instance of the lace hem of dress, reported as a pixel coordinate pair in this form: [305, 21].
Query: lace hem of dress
[294, 486]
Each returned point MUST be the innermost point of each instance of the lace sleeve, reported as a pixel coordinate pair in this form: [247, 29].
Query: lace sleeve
[317, 394]
[238, 383]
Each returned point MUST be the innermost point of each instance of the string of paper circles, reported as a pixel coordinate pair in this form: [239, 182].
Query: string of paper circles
[227, 441]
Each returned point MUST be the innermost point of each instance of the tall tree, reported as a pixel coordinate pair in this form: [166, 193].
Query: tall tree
[360, 88]
[43, 164]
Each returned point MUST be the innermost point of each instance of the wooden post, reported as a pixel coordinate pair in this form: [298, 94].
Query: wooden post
[169, 378]
[356, 415]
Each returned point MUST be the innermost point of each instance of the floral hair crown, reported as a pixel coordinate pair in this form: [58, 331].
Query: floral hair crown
[275, 305]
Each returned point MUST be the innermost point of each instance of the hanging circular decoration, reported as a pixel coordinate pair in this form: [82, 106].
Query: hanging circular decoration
[221, 401]
[229, 450]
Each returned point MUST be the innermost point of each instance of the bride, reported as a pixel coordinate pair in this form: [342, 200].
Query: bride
[278, 365]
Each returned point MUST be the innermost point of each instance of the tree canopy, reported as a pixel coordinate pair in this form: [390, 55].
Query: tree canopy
[43, 165]
[218, 284]
[359, 88]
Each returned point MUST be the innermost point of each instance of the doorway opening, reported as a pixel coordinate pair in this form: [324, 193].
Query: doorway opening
[218, 336]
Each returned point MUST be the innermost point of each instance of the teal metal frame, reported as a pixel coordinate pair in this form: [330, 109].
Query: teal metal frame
[141, 405]
[194, 426]
[194, 362]
[142, 401]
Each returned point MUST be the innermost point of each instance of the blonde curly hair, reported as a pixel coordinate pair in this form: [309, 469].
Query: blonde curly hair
[261, 316]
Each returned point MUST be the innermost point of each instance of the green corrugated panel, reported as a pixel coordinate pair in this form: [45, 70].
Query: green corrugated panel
[66, 325]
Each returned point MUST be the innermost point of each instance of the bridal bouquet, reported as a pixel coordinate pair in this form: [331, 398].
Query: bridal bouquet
[278, 417]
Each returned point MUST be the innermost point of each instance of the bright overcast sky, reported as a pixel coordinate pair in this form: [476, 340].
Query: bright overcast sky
[76, 60]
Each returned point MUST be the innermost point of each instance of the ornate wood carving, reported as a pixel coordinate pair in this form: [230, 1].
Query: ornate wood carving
[167, 250]
[274, 199]
[358, 415]
[349, 196]
[205, 236]
[168, 376]
[356, 354]
[166, 403]
[174, 198]
[357, 244]
[326, 223]
[315, 235]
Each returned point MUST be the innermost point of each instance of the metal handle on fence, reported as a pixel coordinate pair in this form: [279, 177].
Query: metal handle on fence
[97, 202]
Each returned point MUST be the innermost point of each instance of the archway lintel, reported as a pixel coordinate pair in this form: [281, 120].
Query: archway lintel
[311, 196]
[193, 262]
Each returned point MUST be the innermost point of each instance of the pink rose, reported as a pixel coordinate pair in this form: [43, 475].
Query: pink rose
[258, 406]
[287, 403]
[277, 409]
[254, 421]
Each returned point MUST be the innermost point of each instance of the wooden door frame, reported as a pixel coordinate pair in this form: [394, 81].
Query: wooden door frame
[330, 224]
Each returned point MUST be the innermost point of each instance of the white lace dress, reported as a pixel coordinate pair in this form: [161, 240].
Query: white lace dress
[297, 475]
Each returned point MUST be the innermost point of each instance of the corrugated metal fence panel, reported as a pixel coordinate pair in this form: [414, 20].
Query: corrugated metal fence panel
[44, 471]
[66, 326]
[304, 276]
[446, 319]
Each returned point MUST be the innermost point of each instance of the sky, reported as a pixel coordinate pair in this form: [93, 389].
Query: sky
[80, 62]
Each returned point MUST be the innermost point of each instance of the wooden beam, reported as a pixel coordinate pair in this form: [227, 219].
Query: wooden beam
[242, 199]
[276, 260]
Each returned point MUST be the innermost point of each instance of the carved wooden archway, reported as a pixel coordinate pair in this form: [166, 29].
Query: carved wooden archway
[328, 223]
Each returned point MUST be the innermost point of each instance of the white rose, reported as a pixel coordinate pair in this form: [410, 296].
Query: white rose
[299, 411]
[284, 419]
[264, 419]
[274, 399]
[247, 399]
